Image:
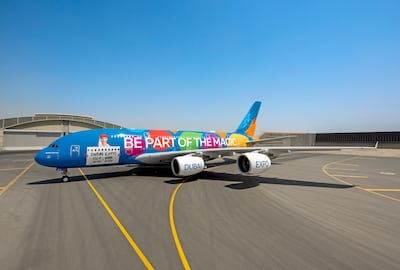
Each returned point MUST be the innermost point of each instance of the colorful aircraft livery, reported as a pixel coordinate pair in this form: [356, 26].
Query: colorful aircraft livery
[162, 140]
[185, 151]
[133, 143]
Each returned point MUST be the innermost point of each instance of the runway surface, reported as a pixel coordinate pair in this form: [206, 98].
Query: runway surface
[309, 211]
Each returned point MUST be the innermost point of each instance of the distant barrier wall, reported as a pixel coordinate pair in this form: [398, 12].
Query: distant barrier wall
[388, 140]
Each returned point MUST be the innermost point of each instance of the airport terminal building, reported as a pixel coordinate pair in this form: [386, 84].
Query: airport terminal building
[38, 131]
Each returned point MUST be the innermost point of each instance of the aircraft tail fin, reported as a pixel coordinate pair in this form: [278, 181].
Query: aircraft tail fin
[248, 124]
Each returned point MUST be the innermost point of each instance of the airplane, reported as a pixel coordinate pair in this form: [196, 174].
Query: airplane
[186, 152]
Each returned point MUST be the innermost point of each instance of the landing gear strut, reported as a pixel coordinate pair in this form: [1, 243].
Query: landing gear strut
[64, 172]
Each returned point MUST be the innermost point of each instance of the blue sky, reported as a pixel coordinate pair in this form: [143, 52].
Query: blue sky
[317, 66]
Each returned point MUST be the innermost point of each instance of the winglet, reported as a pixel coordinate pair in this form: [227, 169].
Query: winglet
[248, 124]
[376, 145]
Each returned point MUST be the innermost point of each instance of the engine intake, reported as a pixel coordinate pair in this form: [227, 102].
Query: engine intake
[253, 163]
[187, 165]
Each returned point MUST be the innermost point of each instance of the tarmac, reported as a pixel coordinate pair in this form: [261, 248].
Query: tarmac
[335, 210]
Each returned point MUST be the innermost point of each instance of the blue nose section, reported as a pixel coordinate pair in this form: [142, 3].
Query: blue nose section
[47, 157]
[40, 158]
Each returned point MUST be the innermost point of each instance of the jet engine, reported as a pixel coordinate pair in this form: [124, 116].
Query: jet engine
[187, 165]
[253, 163]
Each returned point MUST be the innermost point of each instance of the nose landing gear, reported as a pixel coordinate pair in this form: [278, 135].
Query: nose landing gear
[64, 172]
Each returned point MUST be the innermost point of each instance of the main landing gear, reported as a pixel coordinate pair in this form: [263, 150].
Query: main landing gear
[64, 172]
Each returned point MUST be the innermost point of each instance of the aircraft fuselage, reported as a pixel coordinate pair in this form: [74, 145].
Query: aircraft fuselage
[101, 147]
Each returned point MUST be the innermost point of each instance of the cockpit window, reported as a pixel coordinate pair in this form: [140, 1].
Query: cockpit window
[53, 145]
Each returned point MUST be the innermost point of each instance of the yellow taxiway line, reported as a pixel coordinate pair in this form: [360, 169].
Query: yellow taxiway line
[178, 245]
[348, 164]
[342, 169]
[351, 176]
[4, 189]
[121, 227]
[11, 169]
[383, 189]
[369, 190]
[381, 195]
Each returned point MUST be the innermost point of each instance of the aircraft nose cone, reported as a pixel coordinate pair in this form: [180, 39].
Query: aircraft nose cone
[48, 157]
[40, 158]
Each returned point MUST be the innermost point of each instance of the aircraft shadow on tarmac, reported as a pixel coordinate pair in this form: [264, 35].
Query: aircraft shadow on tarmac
[245, 182]
[162, 171]
[77, 178]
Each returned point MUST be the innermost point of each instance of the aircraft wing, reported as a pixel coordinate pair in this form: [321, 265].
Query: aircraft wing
[253, 142]
[207, 154]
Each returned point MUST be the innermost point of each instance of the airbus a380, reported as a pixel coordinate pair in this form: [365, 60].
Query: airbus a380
[185, 151]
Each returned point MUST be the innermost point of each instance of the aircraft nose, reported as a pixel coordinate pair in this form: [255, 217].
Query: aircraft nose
[40, 158]
[47, 157]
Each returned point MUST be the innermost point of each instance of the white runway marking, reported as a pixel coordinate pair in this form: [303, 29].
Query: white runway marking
[387, 173]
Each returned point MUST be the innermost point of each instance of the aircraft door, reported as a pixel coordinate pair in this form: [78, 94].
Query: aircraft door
[75, 151]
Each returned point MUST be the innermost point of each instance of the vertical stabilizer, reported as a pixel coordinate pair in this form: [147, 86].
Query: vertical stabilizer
[248, 124]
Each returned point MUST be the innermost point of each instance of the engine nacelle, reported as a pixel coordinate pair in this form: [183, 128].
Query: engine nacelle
[253, 163]
[187, 165]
